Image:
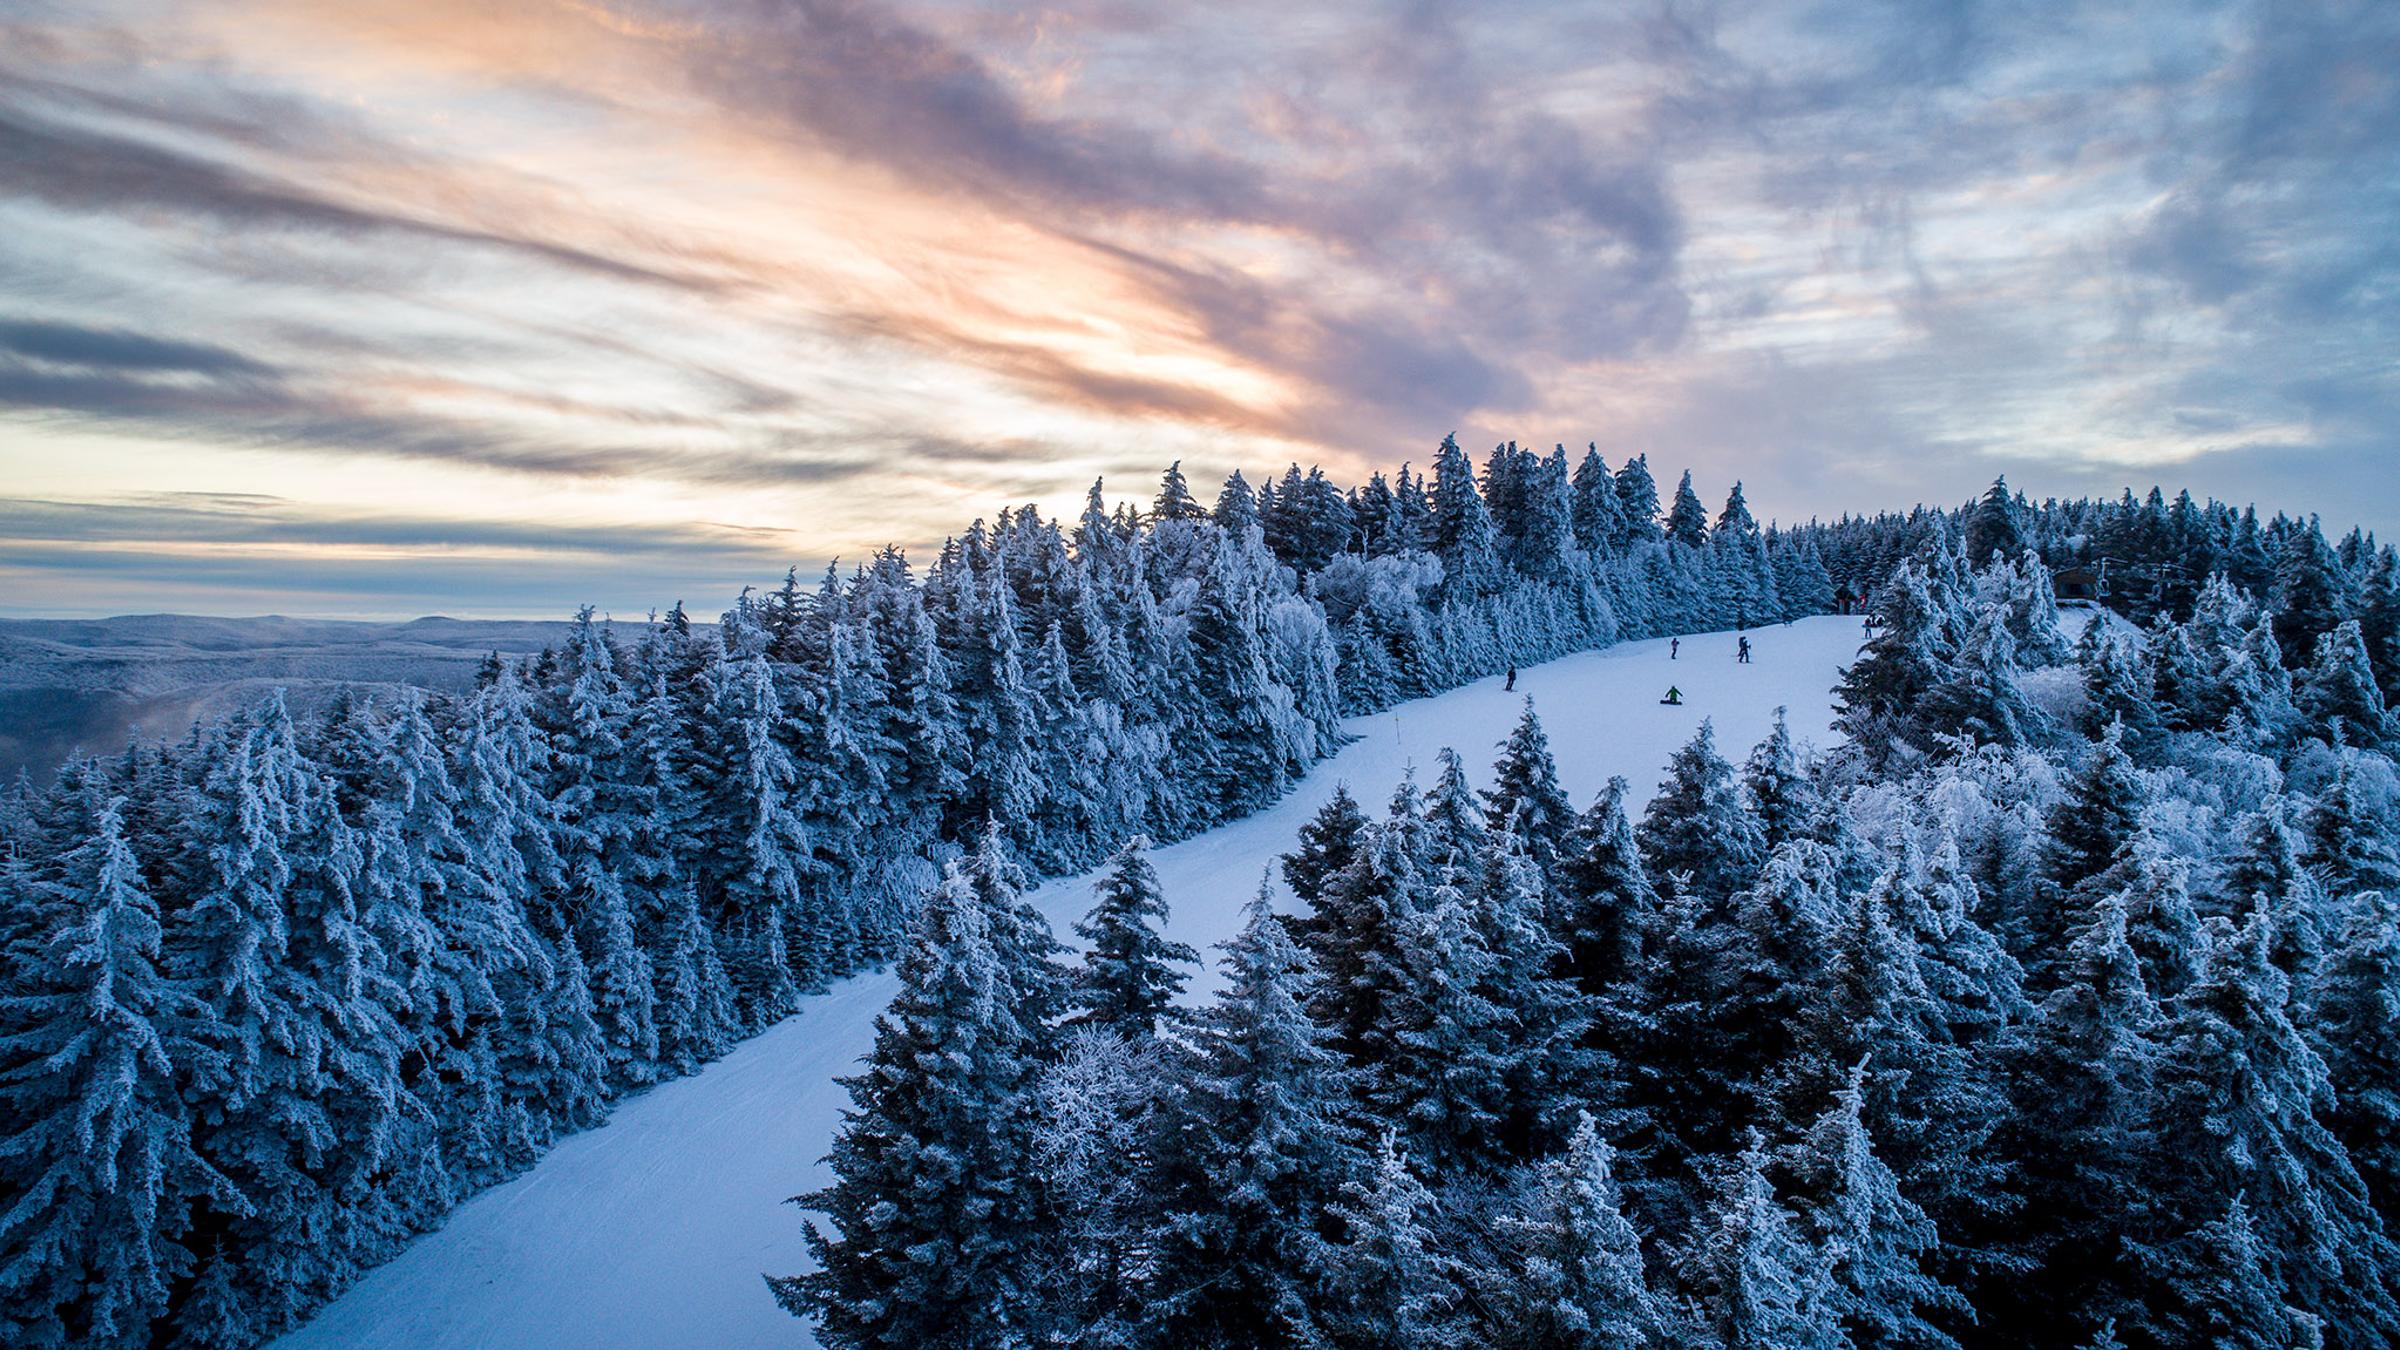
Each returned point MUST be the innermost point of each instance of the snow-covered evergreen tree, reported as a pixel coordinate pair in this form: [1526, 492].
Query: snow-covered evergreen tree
[96, 1158]
[1131, 974]
[1573, 1274]
[1267, 1146]
[1768, 1285]
[934, 1203]
[1525, 795]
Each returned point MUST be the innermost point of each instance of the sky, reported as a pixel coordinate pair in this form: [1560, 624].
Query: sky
[392, 307]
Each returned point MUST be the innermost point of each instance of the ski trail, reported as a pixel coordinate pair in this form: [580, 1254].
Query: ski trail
[654, 1229]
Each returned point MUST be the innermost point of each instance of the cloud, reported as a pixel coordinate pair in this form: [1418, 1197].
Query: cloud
[277, 413]
[182, 519]
[119, 348]
[787, 254]
[859, 80]
[87, 169]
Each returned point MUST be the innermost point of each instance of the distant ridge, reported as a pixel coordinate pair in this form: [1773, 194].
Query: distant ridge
[90, 684]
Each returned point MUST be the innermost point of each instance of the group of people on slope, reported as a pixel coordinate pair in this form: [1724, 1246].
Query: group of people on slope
[1674, 698]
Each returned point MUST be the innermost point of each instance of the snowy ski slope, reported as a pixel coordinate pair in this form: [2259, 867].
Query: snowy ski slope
[653, 1230]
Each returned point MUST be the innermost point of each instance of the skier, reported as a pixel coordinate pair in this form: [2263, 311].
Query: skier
[1674, 697]
[1741, 654]
[1511, 686]
[1674, 645]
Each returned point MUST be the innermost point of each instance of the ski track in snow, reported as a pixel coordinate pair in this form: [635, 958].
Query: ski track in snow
[654, 1229]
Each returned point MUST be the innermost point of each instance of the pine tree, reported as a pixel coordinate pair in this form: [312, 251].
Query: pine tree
[1767, 1285]
[1393, 1285]
[1778, 791]
[1130, 977]
[1571, 1277]
[1266, 1149]
[933, 1203]
[2357, 1030]
[96, 1157]
[1696, 833]
[1876, 1240]
[1525, 795]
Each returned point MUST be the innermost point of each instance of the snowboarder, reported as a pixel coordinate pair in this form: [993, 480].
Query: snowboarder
[1674, 697]
[1674, 645]
[1741, 653]
[1511, 686]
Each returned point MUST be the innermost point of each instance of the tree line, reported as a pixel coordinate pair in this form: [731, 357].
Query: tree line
[2058, 1005]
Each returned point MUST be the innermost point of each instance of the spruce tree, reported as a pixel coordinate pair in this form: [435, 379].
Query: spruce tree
[1571, 1277]
[1392, 1284]
[1637, 497]
[1440, 1050]
[2357, 1030]
[2338, 692]
[1463, 535]
[1606, 907]
[2351, 846]
[96, 1156]
[2310, 599]
[1696, 833]
[1910, 654]
[1767, 1285]
[1993, 526]
[1131, 975]
[933, 1205]
[1328, 843]
[2241, 1112]
[1687, 519]
[1265, 1149]
[1877, 1241]
[1598, 513]
[2082, 1082]
[1175, 501]
[1779, 793]
[1525, 795]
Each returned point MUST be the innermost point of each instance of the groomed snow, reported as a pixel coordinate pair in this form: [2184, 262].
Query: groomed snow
[653, 1230]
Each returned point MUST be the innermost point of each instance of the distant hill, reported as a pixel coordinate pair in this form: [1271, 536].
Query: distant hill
[92, 683]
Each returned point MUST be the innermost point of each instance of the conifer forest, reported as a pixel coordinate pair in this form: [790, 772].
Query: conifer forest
[2055, 1002]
